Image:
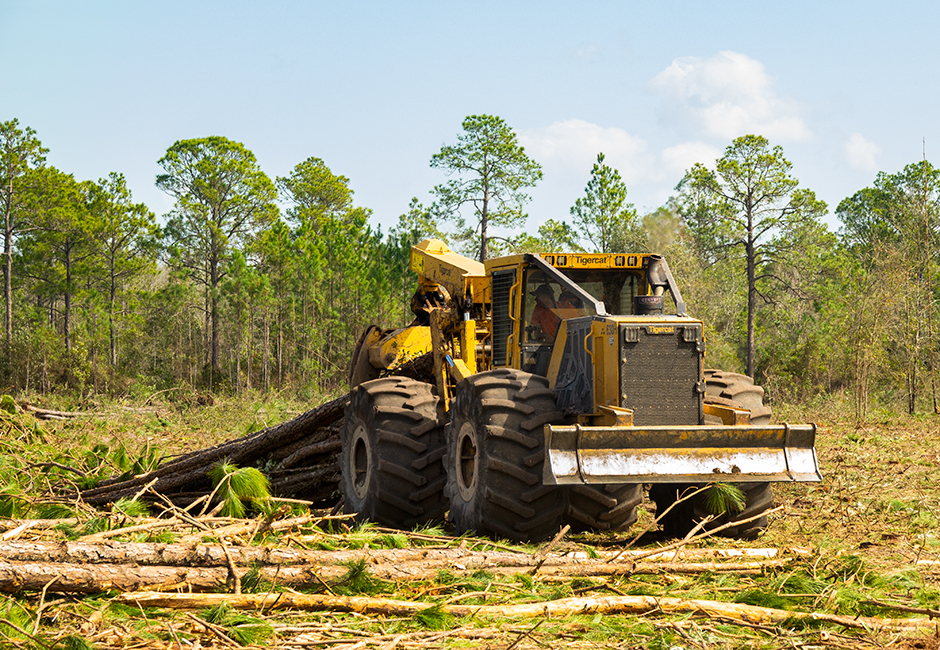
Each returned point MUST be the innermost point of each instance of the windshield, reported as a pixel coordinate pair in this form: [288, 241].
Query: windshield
[616, 289]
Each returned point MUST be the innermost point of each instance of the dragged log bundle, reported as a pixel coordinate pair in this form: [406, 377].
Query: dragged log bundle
[300, 458]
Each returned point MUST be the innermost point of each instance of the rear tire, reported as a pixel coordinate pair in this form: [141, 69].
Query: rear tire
[495, 457]
[392, 445]
[684, 516]
[602, 507]
[739, 391]
[726, 389]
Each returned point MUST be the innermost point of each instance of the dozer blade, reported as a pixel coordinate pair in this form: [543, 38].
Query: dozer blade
[665, 454]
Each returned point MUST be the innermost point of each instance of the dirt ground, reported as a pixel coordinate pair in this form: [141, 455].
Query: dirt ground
[867, 542]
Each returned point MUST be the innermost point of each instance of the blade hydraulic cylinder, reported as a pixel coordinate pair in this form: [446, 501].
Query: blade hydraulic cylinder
[667, 454]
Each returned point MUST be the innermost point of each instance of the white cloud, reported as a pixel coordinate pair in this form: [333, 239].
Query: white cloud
[861, 153]
[727, 96]
[682, 156]
[571, 147]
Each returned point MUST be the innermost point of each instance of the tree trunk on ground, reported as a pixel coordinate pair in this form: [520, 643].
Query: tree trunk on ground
[561, 608]
[302, 455]
[189, 472]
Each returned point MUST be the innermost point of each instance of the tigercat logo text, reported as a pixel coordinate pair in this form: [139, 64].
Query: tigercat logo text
[661, 329]
[585, 260]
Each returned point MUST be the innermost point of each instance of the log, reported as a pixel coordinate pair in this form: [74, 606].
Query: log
[189, 471]
[562, 608]
[17, 577]
[330, 445]
[70, 577]
[387, 564]
[49, 414]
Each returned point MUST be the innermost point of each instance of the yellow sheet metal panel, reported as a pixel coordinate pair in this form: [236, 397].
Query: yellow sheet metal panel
[433, 261]
[401, 346]
[606, 363]
[467, 338]
[480, 288]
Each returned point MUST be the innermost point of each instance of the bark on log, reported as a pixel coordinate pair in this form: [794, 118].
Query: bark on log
[49, 414]
[16, 577]
[70, 577]
[189, 471]
[387, 564]
[565, 607]
[330, 445]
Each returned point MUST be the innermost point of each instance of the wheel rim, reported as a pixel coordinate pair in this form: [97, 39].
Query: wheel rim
[360, 462]
[467, 466]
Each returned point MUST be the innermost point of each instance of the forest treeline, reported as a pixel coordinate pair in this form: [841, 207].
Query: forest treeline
[257, 284]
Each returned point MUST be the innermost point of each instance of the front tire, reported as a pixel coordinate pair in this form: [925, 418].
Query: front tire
[390, 459]
[495, 456]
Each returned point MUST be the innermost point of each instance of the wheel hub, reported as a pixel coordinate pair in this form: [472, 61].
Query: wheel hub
[467, 466]
[360, 462]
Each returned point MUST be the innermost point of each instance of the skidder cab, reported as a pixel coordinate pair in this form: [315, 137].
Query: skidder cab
[562, 383]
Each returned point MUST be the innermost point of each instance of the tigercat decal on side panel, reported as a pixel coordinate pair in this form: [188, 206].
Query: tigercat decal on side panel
[417, 262]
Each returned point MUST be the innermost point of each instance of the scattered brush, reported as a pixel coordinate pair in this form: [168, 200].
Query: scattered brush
[359, 581]
[56, 511]
[13, 503]
[243, 629]
[252, 582]
[73, 642]
[130, 507]
[131, 465]
[8, 405]
[14, 620]
[234, 485]
[433, 618]
[764, 598]
[393, 541]
[799, 582]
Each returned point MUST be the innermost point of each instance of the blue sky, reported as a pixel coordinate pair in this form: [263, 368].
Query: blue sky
[375, 88]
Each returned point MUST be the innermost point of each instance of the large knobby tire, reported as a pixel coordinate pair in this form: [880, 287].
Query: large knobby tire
[602, 507]
[727, 389]
[739, 391]
[392, 445]
[686, 515]
[495, 456]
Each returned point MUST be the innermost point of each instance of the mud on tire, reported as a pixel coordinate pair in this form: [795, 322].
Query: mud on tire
[495, 456]
[726, 389]
[392, 445]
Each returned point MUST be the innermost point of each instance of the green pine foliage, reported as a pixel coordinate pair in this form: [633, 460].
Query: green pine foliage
[234, 485]
[720, 498]
[258, 285]
[243, 629]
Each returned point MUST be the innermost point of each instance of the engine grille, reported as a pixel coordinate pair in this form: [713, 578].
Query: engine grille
[502, 323]
[660, 367]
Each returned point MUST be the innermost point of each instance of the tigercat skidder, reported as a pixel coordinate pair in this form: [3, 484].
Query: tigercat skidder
[561, 386]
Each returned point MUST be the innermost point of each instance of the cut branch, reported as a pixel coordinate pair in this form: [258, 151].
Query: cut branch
[562, 608]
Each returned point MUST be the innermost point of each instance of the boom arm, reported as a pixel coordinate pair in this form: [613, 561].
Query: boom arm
[436, 264]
